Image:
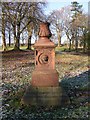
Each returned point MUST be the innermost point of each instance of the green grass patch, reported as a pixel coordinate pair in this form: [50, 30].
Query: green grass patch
[61, 48]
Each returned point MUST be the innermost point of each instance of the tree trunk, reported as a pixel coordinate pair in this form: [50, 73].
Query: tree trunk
[17, 38]
[17, 45]
[59, 39]
[84, 46]
[29, 43]
[84, 42]
[3, 33]
[30, 29]
[70, 39]
[73, 40]
[76, 42]
[9, 38]
[70, 44]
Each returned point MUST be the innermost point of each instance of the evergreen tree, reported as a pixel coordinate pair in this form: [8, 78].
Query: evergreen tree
[76, 10]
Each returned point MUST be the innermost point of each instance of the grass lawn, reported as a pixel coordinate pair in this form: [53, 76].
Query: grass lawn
[17, 68]
[12, 47]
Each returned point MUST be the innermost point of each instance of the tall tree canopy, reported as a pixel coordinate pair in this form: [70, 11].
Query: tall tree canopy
[21, 14]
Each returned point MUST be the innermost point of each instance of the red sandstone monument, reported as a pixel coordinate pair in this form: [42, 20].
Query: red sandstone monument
[44, 73]
[44, 89]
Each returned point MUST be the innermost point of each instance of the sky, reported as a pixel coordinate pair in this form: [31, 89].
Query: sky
[57, 4]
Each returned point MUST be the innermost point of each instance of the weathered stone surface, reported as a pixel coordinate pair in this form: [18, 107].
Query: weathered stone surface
[43, 96]
[45, 78]
[44, 30]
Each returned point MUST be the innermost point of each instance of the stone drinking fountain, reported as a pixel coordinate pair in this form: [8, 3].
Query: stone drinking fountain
[45, 89]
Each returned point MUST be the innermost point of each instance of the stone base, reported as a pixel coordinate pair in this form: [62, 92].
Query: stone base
[44, 96]
[44, 78]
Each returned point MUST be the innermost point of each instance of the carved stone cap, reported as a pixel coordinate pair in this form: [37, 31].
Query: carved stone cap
[44, 30]
[44, 34]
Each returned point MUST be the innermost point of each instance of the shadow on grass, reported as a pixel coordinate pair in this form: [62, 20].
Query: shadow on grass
[73, 53]
[16, 53]
[77, 87]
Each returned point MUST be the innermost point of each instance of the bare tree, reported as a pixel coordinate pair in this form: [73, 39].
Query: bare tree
[56, 18]
[67, 27]
[9, 32]
[75, 29]
[20, 15]
[3, 30]
[30, 30]
[83, 29]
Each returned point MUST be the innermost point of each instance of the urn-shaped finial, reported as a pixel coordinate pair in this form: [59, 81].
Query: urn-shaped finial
[44, 30]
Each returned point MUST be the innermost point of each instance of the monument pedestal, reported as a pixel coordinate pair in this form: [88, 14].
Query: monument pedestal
[44, 78]
[45, 96]
[44, 90]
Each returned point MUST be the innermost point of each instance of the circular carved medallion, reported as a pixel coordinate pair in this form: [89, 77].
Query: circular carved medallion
[43, 58]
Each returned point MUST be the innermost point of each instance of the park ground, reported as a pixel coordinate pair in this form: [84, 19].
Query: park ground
[17, 67]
